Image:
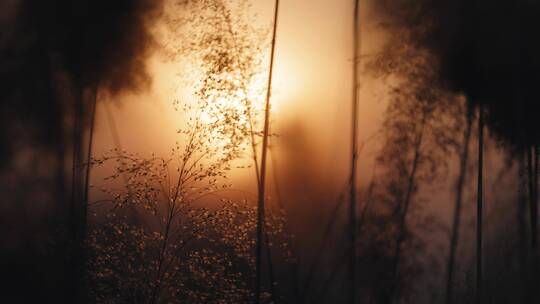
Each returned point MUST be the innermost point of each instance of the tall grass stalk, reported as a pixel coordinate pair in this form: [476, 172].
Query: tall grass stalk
[262, 179]
[290, 244]
[404, 210]
[450, 269]
[324, 242]
[479, 206]
[82, 150]
[341, 261]
[354, 154]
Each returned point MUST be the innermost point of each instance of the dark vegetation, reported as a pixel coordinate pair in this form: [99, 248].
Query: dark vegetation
[54, 55]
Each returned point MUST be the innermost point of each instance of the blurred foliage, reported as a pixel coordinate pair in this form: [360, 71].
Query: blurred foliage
[420, 131]
[189, 242]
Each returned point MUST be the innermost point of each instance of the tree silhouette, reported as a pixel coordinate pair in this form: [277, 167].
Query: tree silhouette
[53, 57]
[419, 130]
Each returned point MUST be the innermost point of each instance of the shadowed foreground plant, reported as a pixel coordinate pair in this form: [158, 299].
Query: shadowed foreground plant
[194, 245]
[420, 128]
[182, 251]
[231, 53]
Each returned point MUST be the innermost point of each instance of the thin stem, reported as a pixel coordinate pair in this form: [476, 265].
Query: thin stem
[253, 143]
[295, 270]
[457, 211]
[89, 153]
[328, 282]
[394, 293]
[261, 196]
[479, 206]
[161, 258]
[533, 170]
[341, 262]
[324, 242]
[354, 155]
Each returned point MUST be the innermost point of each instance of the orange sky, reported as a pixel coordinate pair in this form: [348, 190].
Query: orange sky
[311, 93]
[311, 113]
